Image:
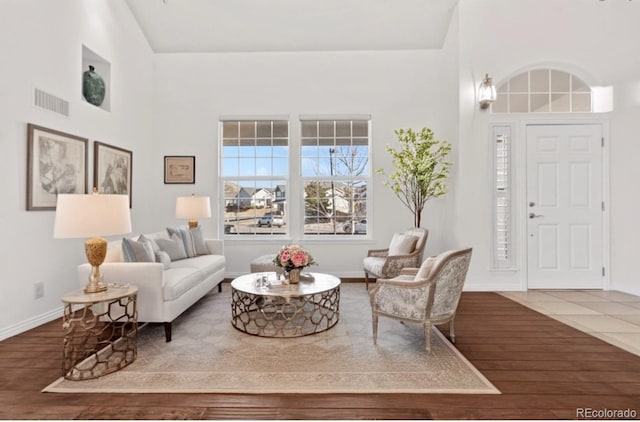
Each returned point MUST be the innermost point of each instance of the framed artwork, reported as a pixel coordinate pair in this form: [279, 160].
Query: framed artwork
[179, 169]
[112, 169]
[56, 163]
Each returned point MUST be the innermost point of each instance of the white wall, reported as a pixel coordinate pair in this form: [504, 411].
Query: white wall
[596, 40]
[41, 44]
[398, 89]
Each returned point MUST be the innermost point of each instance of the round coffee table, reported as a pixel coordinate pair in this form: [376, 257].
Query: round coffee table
[285, 310]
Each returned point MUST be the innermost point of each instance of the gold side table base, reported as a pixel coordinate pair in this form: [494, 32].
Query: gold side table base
[101, 332]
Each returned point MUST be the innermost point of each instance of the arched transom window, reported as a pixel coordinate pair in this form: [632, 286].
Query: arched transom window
[543, 91]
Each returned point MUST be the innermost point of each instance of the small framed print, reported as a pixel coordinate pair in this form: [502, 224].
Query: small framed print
[179, 169]
[56, 163]
[112, 169]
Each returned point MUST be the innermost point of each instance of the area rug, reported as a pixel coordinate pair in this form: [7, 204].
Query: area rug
[208, 355]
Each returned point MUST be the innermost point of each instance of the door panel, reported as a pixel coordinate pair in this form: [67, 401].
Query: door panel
[564, 213]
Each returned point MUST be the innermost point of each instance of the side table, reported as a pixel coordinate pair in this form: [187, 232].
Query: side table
[101, 332]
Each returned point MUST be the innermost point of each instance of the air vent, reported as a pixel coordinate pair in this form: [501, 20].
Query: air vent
[51, 102]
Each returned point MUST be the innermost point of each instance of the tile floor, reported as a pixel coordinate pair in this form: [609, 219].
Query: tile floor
[609, 315]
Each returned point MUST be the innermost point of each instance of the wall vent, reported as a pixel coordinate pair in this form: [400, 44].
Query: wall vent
[51, 102]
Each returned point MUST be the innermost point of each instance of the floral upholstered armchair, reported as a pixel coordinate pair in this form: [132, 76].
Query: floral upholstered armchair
[427, 295]
[405, 251]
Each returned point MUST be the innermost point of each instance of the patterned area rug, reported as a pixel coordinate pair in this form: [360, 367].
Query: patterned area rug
[208, 355]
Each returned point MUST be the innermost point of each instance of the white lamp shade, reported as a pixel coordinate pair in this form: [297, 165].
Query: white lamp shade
[91, 215]
[193, 207]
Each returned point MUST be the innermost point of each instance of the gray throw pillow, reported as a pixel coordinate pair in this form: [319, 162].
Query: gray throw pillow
[134, 251]
[174, 247]
[163, 258]
[187, 241]
[154, 245]
[198, 241]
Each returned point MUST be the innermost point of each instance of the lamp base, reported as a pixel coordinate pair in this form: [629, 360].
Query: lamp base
[96, 250]
[193, 224]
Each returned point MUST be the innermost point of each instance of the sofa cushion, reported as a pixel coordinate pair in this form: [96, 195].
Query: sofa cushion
[177, 281]
[134, 251]
[174, 247]
[208, 264]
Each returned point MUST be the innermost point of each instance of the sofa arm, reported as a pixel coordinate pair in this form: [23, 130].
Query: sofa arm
[215, 246]
[146, 276]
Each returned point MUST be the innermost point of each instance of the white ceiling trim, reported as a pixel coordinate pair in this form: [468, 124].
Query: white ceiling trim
[199, 26]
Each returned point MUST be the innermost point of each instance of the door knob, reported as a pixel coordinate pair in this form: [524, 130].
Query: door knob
[532, 215]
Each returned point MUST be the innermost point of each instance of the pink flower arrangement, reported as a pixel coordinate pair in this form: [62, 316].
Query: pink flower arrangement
[293, 256]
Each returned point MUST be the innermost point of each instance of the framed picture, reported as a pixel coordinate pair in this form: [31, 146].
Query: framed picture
[56, 163]
[179, 169]
[112, 169]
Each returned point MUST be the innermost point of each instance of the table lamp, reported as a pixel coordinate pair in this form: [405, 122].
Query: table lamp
[193, 207]
[92, 216]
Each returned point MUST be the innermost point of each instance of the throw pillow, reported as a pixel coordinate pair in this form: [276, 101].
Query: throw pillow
[425, 269]
[402, 244]
[163, 258]
[187, 240]
[174, 247]
[154, 245]
[198, 241]
[134, 251]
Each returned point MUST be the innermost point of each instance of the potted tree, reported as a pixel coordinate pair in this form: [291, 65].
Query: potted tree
[421, 169]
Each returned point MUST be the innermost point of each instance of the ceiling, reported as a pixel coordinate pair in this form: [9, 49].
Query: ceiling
[177, 26]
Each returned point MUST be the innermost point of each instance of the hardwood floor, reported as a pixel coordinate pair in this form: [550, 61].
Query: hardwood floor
[544, 369]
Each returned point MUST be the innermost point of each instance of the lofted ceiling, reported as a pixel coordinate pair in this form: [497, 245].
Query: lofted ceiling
[177, 26]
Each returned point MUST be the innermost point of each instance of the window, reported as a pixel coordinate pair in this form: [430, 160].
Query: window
[543, 91]
[335, 174]
[502, 249]
[254, 168]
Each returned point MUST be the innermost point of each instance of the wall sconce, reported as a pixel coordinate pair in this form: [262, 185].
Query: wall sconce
[486, 92]
[193, 207]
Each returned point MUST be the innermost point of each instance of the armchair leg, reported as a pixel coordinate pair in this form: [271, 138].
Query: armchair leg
[220, 287]
[427, 336]
[167, 331]
[452, 331]
[366, 280]
[374, 321]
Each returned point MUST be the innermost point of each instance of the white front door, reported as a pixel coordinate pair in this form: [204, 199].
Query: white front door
[564, 207]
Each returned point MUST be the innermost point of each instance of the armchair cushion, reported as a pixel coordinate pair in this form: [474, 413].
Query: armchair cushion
[402, 244]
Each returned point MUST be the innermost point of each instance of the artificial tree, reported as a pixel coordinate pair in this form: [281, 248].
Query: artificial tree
[421, 169]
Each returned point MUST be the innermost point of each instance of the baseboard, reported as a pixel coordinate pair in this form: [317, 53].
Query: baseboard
[34, 322]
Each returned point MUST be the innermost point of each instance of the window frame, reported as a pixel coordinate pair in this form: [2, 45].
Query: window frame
[253, 178]
[365, 177]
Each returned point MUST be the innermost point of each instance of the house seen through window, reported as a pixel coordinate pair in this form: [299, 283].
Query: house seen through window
[333, 179]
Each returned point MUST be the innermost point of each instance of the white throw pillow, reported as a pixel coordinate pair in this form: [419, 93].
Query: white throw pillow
[425, 269]
[402, 244]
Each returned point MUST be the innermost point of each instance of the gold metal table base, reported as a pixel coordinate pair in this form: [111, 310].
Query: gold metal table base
[101, 332]
[288, 316]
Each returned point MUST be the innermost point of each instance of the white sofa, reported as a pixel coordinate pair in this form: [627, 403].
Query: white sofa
[163, 294]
